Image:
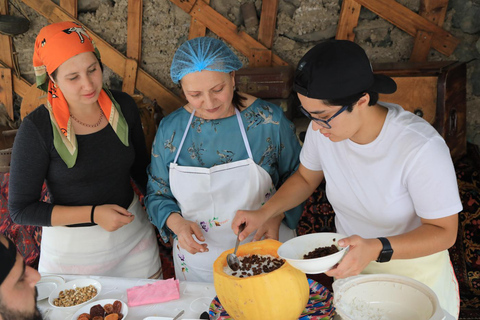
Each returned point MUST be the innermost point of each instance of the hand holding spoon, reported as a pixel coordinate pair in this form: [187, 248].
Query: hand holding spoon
[232, 259]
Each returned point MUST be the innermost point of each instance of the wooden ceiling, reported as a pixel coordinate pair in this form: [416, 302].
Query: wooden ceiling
[426, 27]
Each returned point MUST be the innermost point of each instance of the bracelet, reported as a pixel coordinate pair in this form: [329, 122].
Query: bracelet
[91, 214]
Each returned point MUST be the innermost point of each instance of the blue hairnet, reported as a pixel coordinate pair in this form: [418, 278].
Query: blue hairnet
[200, 54]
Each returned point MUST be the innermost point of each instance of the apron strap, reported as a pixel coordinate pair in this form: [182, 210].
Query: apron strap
[244, 134]
[184, 136]
[242, 129]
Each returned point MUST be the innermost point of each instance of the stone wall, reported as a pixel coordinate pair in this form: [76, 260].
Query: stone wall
[300, 25]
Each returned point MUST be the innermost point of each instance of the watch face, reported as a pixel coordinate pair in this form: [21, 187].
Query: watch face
[385, 255]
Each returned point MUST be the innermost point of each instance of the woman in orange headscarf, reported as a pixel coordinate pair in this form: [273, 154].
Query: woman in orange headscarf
[87, 144]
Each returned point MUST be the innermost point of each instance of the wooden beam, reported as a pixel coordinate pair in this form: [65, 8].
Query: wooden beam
[411, 23]
[261, 58]
[129, 79]
[434, 11]
[32, 98]
[6, 90]
[197, 29]
[348, 20]
[21, 86]
[134, 45]
[268, 21]
[134, 29]
[421, 46]
[71, 6]
[6, 41]
[224, 28]
[146, 84]
[6, 56]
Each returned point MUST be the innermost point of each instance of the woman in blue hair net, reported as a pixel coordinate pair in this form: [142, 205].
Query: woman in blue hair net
[223, 151]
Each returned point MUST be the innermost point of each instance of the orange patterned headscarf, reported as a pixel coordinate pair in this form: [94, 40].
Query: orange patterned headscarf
[55, 44]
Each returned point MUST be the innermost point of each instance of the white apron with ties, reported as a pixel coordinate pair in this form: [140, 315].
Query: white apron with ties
[131, 251]
[211, 197]
[435, 271]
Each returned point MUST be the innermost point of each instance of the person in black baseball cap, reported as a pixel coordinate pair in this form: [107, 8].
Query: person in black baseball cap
[389, 175]
[17, 285]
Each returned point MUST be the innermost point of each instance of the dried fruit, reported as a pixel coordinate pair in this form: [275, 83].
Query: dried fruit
[108, 308]
[97, 310]
[117, 306]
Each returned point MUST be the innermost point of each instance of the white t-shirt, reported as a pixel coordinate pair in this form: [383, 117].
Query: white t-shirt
[382, 188]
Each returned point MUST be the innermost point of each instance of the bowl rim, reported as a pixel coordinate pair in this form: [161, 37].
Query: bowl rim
[71, 285]
[341, 286]
[341, 250]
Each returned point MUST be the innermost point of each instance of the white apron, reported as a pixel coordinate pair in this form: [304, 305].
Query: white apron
[131, 251]
[435, 271]
[211, 197]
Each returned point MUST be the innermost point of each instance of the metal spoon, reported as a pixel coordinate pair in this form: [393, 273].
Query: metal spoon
[232, 259]
[178, 315]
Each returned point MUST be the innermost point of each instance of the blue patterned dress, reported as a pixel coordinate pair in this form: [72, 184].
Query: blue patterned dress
[272, 139]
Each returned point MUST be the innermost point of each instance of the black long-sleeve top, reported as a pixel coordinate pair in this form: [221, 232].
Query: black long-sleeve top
[101, 174]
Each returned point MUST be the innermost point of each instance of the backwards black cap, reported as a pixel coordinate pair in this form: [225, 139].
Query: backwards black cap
[7, 258]
[338, 69]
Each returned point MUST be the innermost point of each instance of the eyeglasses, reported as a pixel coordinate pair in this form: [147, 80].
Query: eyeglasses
[323, 123]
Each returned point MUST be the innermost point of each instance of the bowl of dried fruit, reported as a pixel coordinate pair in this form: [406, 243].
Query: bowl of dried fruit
[106, 309]
[75, 293]
[313, 253]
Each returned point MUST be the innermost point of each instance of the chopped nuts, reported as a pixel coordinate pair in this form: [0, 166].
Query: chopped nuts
[72, 297]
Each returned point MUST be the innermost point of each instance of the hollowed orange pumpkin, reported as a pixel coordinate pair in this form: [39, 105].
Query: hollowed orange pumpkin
[280, 294]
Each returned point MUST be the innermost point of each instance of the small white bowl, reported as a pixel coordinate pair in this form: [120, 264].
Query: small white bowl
[78, 283]
[294, 249]
[47, 284]
[103, 302]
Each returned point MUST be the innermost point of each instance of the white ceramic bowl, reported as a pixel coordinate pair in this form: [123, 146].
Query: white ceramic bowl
[78, 283]
[294, 249]
[385, 296]
[47, 284]
[103, 302]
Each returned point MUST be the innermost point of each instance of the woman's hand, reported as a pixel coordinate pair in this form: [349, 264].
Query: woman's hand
[185, 230]
[112, 217]
[270, 229]
[360, 254]
[253, 220]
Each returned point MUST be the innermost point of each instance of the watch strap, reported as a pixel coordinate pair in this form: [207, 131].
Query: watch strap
[387, 251]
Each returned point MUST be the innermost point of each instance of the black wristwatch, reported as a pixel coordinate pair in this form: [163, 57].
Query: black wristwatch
[387, 251]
